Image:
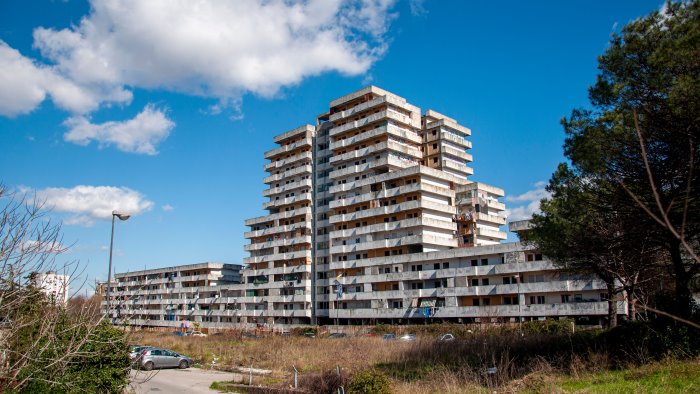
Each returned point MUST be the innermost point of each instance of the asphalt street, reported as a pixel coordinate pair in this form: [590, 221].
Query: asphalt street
[166, 381]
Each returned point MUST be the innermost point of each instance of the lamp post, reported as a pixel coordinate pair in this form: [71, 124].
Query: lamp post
[122, 216]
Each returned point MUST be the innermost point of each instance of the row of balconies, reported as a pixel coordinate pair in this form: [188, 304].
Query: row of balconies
[391, 209]
[278, 257]
[393, 192]
[287, 201]
[458, 153]
[307, 130]
[369, 150]
[304, 169]
[389, 129]
[449, 123]
[385, 114]
[393, 243]
[303, 143]
[306, 156]
[493, 311]
[278, 242]
[304, 183]
[459, 167]
[459, 140]
[388, 160]
[488, 290]
[278, 229]
[394, 226]
[368, 105]
[306, 211]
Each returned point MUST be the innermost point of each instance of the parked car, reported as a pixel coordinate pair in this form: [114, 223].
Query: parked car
[447, 337]
[389, 337]
[135, 352]
[407, 337]
[196, 334]
[179, 333]
[162, 358]
[338, 335]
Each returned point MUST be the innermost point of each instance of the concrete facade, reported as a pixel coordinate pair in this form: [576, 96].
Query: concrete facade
[371, 217]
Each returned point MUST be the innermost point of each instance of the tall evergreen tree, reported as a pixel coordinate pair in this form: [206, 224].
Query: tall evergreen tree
[634, 155]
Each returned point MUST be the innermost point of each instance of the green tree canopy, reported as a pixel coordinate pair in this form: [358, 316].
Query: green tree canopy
[633, 184]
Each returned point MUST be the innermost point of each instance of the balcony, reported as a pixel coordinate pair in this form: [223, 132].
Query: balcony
[305, 169]
[288, 187]
[390, 161]
[306, 142]
[394, 226]
[277, 230]
[489, 233]
[456, 139]
[278, 242]
[391, 145]
[282, 215]
[460, 154]
[306, 156]
[306, 130]
[458, 167]
[287, 201]
[369, 105]
[376, 132]
[391, 209]
[393, 192]
[278, 257]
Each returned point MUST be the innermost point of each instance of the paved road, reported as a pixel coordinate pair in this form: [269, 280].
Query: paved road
[166, 381]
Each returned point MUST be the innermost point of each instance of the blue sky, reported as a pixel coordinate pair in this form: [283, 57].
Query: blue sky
[166, 110]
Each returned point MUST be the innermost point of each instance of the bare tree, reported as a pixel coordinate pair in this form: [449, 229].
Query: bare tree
[40, 340]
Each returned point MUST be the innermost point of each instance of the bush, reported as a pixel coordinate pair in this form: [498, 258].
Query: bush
[549, 326]
[369, 382]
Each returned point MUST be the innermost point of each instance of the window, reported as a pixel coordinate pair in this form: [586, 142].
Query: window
[484, 261]
[487, 301]
[565, 298]
[475, 302]
[475, 282]
[485, 282]
[475, 263]
[445, 265]
[436, 266]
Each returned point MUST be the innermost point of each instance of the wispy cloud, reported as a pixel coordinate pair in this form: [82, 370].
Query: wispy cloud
[86, 204]
[138, 135]
[417, 7]
[167, 208]
[527, 203]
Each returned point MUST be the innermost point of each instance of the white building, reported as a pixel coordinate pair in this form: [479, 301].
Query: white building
[371, 217]
[54, 285]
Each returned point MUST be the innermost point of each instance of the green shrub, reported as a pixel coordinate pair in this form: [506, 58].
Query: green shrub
[369, 382]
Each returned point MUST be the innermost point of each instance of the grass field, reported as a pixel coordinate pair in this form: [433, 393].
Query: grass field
[427, 365]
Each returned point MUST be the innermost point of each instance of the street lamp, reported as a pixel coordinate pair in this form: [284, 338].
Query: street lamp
[122, 216]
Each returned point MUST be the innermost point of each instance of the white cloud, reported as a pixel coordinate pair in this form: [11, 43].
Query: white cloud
[417, 7]
[85, 204]
[529, 202]
[25, 84]
[167, 207]
[218, 49]
[138, 135]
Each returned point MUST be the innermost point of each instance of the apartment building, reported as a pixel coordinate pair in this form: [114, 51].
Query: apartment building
[371, 218]
[389, 194]
[55, 286]
[168, 296]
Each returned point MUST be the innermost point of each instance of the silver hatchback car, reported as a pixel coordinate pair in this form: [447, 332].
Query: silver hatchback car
[163, 358]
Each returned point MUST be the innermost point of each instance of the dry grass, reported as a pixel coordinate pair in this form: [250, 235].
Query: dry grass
[534, 363]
